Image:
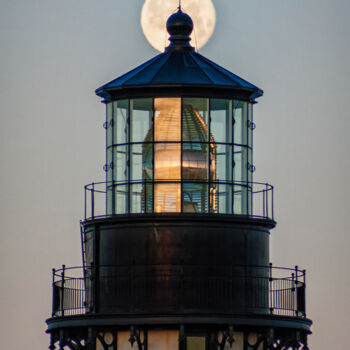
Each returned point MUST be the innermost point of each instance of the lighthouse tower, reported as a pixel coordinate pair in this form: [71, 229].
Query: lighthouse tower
[175, 242]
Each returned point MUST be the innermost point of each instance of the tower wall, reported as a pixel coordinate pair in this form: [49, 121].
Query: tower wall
[176, 264]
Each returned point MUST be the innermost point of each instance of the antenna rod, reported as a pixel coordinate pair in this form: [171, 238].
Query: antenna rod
[179, 5]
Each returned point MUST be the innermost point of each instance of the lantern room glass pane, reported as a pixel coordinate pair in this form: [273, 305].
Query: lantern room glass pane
[167, 198]
[221, 120]
[167, 119]
[109, 178]
[147, 197]
[195, 118]
[240, 111]
[136, 162]
[141, 115]
[195, 197]
[121, 194]
[240, 168]
[120, 163]
[223, 162]
[167, 161]
[109, 124]
[223, 198]
[147, 161]
[120, 122]
[195, 161]
[136, 198]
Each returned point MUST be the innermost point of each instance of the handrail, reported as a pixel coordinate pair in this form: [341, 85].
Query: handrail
[260, 204]
[279, 290]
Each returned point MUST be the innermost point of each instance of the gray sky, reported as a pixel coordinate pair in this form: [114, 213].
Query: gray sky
[53, 56]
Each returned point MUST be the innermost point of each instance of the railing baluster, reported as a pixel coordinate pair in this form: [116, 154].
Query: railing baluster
[62, 290]
[92, 200]
[53, 293]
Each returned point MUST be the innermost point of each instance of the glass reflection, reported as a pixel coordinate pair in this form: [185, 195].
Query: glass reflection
[179, 155]
[167, 156]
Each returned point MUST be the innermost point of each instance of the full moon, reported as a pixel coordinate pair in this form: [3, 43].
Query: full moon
[155, 13]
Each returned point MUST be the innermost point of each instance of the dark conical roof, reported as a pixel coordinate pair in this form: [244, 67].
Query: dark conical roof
[179, 71]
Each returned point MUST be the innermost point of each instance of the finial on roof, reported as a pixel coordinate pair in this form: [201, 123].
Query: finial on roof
[180, 27]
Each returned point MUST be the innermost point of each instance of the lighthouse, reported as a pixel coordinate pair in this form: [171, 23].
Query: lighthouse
[176, 240]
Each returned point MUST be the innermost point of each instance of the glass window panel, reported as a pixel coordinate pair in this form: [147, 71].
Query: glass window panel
[121, 111]
[213, 203]
[109, 124]
[240, 169]
[167, 198]
[141, 120]
[147, 197]
[240, 124]
[195, 161]
[223, 162]
[195, 119]
[147, 161]
[136, 162]
[167, 161]
[237, 163]
[167, 119]
[120, 164]
[220, 120]
[250, 124]
[195, 343]
[238, 342]
[136, 201]
[161, 340]
[121, 198]
[110, 200]
[223, 198]
[109, 179]
[240, 199]
[109, 165]
[237, 199]
[195, 197]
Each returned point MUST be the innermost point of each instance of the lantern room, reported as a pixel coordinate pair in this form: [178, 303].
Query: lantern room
[179, 134]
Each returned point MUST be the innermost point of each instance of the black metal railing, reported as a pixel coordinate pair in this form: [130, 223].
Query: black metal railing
[252, 199]
[231, 289]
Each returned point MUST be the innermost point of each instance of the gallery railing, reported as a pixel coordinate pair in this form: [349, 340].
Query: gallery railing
[252, 199]
[231, 289]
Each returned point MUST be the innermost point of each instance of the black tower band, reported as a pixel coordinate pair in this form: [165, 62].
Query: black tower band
[175, 242]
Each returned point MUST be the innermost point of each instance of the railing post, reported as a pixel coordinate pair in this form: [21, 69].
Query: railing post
[92, 200]
[84, 202]
[297, 290]
[53, 293]
[62, 290]
[271, 295]
[267, 200]
[264, 200]
[272, 203]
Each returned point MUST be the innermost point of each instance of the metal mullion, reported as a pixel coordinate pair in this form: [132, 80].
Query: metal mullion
[209, 153]
[181, 155]
[114, 123]
[128, 160]
[229, 156]
[232, 154]
[153, 133]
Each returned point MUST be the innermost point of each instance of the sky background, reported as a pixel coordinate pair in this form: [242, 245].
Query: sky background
[54, 54]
